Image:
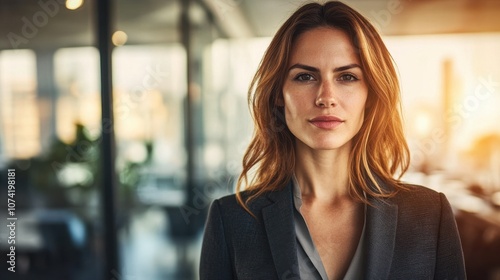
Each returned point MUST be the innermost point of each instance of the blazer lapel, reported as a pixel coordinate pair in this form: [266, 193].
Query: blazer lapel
[381, 223]
[278, 222]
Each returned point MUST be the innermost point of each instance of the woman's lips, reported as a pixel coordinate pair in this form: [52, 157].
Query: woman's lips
[326, 122]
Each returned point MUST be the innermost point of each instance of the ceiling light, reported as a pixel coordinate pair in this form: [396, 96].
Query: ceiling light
[73, 4]
[119, 38]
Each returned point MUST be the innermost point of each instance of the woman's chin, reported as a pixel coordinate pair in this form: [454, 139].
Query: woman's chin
[327, 145]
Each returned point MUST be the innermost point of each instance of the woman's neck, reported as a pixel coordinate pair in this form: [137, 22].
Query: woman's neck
[323, 175]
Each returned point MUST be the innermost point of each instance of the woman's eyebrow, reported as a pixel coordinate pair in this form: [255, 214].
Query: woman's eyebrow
[314, 69]
[305, 67]
[346, 67]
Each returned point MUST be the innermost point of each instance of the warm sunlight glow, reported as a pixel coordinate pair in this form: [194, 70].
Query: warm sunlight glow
[423, 123]
[495, 198]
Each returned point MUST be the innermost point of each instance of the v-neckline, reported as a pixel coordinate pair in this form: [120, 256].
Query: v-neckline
[304, 238]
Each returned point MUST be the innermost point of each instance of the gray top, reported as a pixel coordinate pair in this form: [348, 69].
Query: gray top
[310, 265]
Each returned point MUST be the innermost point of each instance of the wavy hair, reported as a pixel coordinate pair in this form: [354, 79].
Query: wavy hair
[379, 149]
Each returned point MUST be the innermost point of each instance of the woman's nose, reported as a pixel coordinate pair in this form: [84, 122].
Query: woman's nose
[326, 96]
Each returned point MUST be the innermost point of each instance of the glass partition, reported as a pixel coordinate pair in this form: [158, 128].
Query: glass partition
[49, 130]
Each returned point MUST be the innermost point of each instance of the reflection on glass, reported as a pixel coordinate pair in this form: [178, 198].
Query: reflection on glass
[149, 90]
[77, 78]
[18, 104]
[227, 122]
[56, 185]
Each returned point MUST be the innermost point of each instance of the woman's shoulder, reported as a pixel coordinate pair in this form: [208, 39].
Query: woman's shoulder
[419, 198]
[418, 192]
[230, 203]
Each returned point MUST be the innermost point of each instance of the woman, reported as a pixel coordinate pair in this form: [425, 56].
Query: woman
[323, 202]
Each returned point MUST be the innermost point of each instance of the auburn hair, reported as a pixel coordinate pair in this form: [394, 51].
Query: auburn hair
[379, 149]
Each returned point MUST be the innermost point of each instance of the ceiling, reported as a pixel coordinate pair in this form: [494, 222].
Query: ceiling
[27, 24]
[393, 17]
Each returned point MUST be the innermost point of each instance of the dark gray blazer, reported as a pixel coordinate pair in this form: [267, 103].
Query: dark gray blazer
[410, 236]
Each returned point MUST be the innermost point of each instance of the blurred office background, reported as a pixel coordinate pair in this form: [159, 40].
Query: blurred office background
[179, 72]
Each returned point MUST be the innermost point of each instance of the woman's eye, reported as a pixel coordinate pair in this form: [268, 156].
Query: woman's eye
[348, 78]
[304, 77]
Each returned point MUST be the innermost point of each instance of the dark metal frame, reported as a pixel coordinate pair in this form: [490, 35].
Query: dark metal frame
[104, 30]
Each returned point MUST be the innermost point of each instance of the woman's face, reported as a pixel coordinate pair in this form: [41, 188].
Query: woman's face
[325, 92]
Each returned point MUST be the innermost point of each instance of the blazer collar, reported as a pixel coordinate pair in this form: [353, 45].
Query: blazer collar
[278, 222]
